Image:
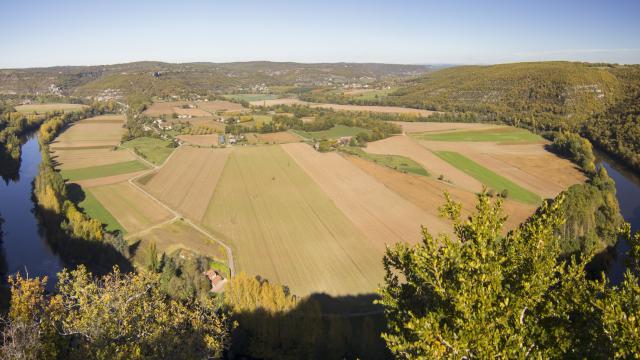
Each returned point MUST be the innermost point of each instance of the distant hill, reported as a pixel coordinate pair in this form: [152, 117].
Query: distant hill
[600, 101]
[158, 78]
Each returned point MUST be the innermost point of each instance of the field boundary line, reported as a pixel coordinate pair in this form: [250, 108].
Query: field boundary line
[177, 215]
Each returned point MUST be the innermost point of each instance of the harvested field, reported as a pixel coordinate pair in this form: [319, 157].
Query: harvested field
[108, 180]
[220, 105]
[187, 181]
[99, 171]
[191, 112]
[43, 108]
[420, 126]
[104, 119]
[91, 133]
[285, 229]
[164, 107]
[282, 137]
[133, 209]
[381, 214]
[251, 97]
[82, 158]
[200, 140]
[504, 134]
[92, 207]
[527, 164]
[405, 146]
[178, 235]
[488, 177]
[284, 101]
[375, 109]
[428, 193]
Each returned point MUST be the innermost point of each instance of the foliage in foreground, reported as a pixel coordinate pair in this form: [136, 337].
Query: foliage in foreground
[118, 316]
[483, 295]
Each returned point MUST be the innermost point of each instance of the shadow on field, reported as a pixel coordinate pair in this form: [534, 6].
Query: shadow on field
[320, 327]
[99, 257]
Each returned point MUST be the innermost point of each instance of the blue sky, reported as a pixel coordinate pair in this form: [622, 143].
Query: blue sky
[47, 33]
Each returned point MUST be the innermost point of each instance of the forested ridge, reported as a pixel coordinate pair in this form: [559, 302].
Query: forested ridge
[599, 101]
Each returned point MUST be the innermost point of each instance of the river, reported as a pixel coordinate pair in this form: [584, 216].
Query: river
[25, 246]
[628, 194]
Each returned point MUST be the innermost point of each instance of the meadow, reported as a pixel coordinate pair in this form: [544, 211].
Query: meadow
[154, 150]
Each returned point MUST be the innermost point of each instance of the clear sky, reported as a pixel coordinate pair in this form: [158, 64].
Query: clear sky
[89, 32]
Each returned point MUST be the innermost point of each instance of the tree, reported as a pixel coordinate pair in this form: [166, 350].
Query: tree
[118, 316]
[487, 295]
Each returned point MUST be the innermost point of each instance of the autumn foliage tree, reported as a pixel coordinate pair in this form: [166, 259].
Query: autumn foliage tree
[485, 295]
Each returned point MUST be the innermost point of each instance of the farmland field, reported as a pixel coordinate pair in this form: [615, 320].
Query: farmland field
[335, 132]
[284, 228]
[82, 158]
[94, 208]
[97, 132]
[42, 108]
[152, 149]
[200, 140]
[396, 162]
[489, 178]
[187, 181]
[281, 137]
[381, 214]
[134, 210]
[178, 235]
[103, 170]
[499, 135]
[251, 97]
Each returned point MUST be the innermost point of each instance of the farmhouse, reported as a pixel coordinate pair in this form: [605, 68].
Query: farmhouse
[217, 281]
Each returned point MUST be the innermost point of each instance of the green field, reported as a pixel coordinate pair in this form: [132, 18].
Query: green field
[283, 227]
[489, 178]
[94, 209]
[251, 97]
[152, 149]
[43, 108]
[94, 172]
[333, 133]
[396, 162]
[501, 135]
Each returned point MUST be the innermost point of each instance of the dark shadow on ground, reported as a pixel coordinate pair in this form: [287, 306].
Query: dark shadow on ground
[320, 327]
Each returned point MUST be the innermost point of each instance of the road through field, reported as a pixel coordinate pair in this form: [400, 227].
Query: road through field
[177, 215]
